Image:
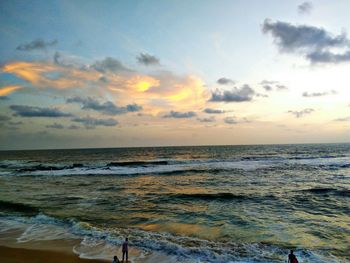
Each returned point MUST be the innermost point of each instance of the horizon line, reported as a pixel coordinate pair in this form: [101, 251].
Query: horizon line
[169, 146]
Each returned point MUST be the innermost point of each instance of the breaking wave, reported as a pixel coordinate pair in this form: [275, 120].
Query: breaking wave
[169, 167]
[97, 242]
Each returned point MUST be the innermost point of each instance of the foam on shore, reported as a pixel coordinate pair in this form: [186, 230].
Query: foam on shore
[47, 233]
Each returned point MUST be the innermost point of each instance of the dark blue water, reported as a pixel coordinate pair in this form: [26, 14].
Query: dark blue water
[198, 204]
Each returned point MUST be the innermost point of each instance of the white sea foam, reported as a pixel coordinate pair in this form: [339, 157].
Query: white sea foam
[104, 243]
[185, 166]
[172, 166]
[42, 231]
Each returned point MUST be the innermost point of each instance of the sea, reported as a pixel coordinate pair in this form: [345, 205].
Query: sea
[195, 204]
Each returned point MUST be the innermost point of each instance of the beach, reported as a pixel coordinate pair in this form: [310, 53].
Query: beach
[17, 255]
[57, 251]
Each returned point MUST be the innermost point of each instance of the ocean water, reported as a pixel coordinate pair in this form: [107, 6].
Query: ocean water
[195, 204]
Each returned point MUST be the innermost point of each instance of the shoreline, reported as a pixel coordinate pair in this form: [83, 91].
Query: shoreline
[66, 250]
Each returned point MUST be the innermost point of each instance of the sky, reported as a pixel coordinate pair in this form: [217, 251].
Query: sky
[81, 74]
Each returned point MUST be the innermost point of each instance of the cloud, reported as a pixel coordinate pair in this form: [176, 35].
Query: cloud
[225, 81]
[5, 122]
[39, 75]
[319, 56]
[109, 65]
[299, 114]
[180, 115]
[261, 95]
[36, 44]
[70, 61]
[4, 118]
[56, 57]
[268, 82]
[163, 90]
[15, 123]
[343, 119]
[108, 107]
[31, 111]
[179, 92]
[230, 120]
[270, 85]
[147, 59]
[133, 107]
[315, 44]
[213, 111]
[55, 126]
[291, 38]
[281, 87]
[9, 89]
[319, 94]
[91, 123]
[73, 127]
[234, 120]
[210, 119]
[157, 92]
[245, 93]
[103, 79]
[305, 7]
[267, 88]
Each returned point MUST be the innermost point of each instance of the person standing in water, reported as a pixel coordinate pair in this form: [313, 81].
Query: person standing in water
[125, 249]
[292, 258]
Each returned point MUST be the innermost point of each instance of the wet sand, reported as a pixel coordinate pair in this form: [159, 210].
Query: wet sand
[19, 255]
[29, 255]
[61, 251]
[43, 251]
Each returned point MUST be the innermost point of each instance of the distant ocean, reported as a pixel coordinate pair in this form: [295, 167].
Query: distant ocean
[196, 204]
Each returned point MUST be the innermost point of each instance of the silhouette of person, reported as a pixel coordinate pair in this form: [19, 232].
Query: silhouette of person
[115, 260]
[125, 249]
[292, 258]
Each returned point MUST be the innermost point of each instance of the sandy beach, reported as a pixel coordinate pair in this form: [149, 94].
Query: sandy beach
[58, 252]
[16, 255]
[70, 250]
[54, 251]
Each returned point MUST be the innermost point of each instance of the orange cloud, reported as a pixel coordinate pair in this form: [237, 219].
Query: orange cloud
[156, 93]
[191, 91]
[9, 89]
[160, 92]
[142, 83]
[36, 73]
[28, 71]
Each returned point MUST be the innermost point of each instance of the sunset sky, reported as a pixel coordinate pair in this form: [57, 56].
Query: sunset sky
[153, 73]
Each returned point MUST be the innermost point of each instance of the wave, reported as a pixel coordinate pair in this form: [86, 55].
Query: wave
[214, 196]
[134, 168]
[324, 191]
[137, 163]
[220, 197]
[98, 242]
[170, 166]
[41, 167]
[7, 206]
[345, 165]
[345, 192]
[14, 164]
